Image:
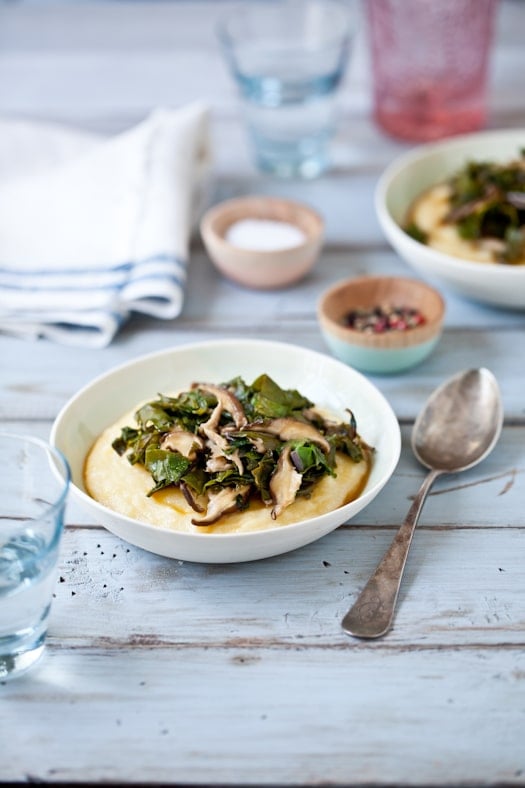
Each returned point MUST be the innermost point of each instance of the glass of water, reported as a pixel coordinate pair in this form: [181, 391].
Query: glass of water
[288, 59]
[33, 488]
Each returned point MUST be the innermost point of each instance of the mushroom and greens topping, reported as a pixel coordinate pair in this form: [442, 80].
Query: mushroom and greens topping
[224, 445]
[487, 204]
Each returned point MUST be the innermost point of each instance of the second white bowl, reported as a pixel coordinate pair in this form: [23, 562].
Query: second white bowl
[413, 173]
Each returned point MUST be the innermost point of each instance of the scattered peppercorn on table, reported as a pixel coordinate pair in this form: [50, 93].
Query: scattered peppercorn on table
[160, 671]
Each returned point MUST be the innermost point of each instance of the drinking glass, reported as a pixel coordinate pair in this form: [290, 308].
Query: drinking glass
[288, 60]
[430, 62]
[33, 488]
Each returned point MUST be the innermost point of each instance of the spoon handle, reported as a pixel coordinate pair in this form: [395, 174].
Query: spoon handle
[372, 613]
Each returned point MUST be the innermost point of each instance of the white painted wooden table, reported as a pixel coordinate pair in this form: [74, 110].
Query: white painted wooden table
[159, 671]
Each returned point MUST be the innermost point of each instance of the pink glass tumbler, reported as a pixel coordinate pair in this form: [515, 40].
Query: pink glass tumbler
[430, 64]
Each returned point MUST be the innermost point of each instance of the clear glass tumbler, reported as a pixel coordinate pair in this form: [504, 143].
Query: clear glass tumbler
[288, 60]
[33, 488]
[430, 63]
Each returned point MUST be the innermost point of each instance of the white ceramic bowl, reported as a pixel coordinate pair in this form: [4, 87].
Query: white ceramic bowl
[411, 174]
[323, 379]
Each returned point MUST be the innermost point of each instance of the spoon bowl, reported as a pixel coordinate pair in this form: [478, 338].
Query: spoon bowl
[460, 423]
[457, 428]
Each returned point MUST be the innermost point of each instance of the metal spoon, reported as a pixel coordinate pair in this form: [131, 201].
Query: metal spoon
[457, 428]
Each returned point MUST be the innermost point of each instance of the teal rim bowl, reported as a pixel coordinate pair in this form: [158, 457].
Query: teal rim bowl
[391, 351]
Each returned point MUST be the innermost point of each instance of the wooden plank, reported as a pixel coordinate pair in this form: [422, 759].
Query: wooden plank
[137, 80]
[356, 248]
[37, 380]
[462, 587]
[257, 716]
[143, 58]
[149, 24]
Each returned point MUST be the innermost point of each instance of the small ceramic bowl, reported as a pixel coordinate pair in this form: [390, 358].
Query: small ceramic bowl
[391, 351]
[263, 269]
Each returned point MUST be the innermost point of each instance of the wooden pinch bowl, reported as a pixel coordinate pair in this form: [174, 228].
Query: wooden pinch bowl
[256, 268]
[391, 351]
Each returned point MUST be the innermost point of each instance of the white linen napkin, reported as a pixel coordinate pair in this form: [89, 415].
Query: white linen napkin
[93, 228]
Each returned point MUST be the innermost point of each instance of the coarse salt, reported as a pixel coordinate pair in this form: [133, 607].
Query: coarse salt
[264, 235]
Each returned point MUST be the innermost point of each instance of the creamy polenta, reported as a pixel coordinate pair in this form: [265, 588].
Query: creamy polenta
[126, 488]
[429, 212]
[478, 214]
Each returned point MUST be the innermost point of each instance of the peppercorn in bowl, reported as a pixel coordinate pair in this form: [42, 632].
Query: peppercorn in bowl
[455, 212]
[381, 324]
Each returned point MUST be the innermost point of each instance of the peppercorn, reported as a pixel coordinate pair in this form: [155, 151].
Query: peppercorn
[379, 319]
